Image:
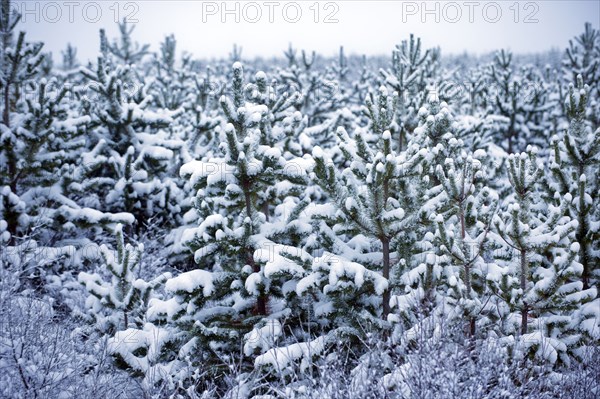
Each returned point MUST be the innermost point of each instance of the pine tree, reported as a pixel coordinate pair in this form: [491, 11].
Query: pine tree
[290, 55]
[249, 136]
[408, 78]
[576, 155]
[204, 110]
[131, 153]
[462, 232]
[582, 57]
[322, 98]
[23, 150]
[69, 58]
[236, 53]
[519, 99]
[539, 276]
[341, 67]
[170, 86]
[119, 303]
[48, 144]
[19, 62]
[126, 51]
[365, 193]
[239, 196]
[41, 145]
[441, 253]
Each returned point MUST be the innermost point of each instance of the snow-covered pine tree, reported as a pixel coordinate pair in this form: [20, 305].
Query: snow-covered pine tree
[239, 200]
[337, 270]
[462, 231]
[121, 302]
[433, 157]
[517, 97]
[283, 124]
[49, 143]
[574, 165]
[538, 278]
[69, 58]
[126, 51]
[42, 139]
[169, 91]
[236, 53]
[365, 194]
[19, 62]
[128, 164]
[116, 306]
[324, 102]
[582, 57]
[203, 109]
[290, 55]
[170, 85]
[341, 67]
[199, 126]
[178, 86]
[408, 78]
[23, 144]
[243, 181]
[114, 89]
[46, 66]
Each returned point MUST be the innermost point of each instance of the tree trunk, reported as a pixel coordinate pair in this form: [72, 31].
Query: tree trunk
[386, 274]
[525, 308]
[581, 233]
[401, 140]
[6, 111]
[466, 266]
[261, 301]
[11, 166]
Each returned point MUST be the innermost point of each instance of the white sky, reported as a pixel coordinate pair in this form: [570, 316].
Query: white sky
[363, 27]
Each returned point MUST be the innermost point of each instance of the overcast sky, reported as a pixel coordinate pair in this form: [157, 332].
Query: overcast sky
[264, 28]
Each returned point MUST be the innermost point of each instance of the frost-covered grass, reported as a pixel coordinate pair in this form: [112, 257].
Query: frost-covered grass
[438, 363]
